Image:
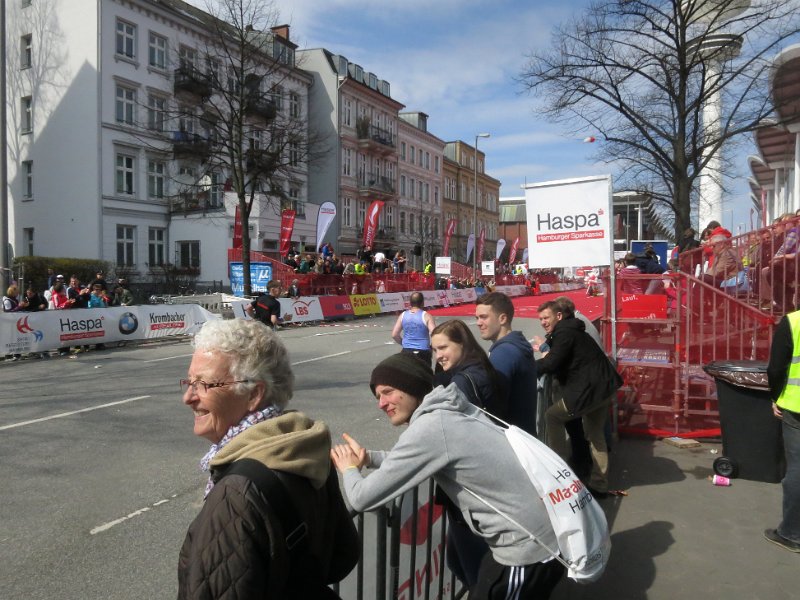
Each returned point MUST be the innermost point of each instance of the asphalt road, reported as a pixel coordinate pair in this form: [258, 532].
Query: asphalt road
[100, 467]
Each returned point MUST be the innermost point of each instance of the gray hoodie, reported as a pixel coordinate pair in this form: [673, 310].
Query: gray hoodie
[452, 441]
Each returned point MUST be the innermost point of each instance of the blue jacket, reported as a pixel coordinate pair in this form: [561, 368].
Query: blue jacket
[512, 356]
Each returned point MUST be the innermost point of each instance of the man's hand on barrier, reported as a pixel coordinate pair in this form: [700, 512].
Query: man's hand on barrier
[348, 455]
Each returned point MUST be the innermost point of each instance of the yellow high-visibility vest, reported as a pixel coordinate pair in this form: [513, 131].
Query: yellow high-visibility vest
[790, 397]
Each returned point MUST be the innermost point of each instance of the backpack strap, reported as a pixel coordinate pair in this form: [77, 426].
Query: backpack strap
[274, 491]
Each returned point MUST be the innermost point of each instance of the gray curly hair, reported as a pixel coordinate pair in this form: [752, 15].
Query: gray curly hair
[257, 354]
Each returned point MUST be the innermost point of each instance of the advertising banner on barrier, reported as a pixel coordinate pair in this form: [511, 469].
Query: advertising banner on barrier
[391, 302]
[305, 308]
[336, 306]
[51, 329]
[365, 304]
[431, 298]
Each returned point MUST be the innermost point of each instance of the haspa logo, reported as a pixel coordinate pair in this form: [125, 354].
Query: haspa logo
[128, 323]
[23, 326]
[427, 513]
[573, 222]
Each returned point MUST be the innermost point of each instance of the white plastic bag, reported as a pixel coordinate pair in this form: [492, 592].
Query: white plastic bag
[579, 523]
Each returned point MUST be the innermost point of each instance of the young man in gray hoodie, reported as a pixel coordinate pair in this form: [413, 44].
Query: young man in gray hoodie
[451, 440]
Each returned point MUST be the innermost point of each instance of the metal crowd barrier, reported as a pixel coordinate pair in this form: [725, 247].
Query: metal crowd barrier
[403, 552]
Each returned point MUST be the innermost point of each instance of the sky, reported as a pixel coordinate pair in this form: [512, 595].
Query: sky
[459, 61]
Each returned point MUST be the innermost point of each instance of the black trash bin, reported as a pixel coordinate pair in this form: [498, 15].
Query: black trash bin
[752, 443]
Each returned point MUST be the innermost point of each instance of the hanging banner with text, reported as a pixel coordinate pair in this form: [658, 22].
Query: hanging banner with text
[501, 245]
[569, 222]
[371, 222]
[451, 227]
[287, 227]
[481, 243]
[327, 212]
[513, 252]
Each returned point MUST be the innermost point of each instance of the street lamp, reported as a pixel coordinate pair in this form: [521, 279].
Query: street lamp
[475, 215]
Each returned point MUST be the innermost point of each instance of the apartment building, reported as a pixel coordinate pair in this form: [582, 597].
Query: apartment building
[352, 109]
[114, 148]
[418, 227]
[460, 171]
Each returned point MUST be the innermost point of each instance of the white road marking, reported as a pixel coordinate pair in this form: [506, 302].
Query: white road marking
[136, 513]
[331, 333]
[74, 412]
[168, 358]
[302, 362]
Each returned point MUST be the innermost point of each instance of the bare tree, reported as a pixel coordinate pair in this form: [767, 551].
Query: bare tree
[251, 126]
[638, 74]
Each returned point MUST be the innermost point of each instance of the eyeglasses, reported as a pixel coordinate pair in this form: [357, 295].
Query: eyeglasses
[199, 383]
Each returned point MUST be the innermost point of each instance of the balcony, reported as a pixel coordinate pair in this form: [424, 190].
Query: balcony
[371, 184]
[261, 160]
[374, 139]
[386, 233]
[196, 202]
[190, 80]
[257, 106]
[190, 145]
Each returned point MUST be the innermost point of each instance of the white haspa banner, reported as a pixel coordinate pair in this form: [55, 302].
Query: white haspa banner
[569, 222]
[325, 216]
[22, 332]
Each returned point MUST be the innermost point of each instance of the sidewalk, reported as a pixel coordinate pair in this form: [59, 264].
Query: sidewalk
[677, 536]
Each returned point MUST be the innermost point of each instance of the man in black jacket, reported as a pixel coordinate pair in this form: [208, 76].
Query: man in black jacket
[585, 381]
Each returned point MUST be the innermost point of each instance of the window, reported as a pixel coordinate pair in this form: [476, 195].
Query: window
[156, 112]
[411, 223]
[403, 150]
[215, 191]
[436, 195]
[234, 81]
[435, 233]
[347, 212]
[187, 58]
[27, 114]
[27, 240]
[402, 222]
[188, 255]
[254, 139]
[294, 105]
[436, 164]
[157, 51]
[186, 120]
[294, 153]
[126, 105]
[297, 205]
[126, 242]
[428, 160]
[347, 162]
[402, 185]
[390, 216]
[26, 51]
[156, 246]
[155, 179]
[126, 39]
[27, 179]
[347, 112]
[276, 93]
[361, 212]
[420, 187]
[411, 154]
[124, 174]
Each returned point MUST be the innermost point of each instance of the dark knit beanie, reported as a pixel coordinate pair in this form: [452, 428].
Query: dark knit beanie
[404, 372]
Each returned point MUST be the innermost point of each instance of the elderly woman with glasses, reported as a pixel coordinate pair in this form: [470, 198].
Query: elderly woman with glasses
[273, 523]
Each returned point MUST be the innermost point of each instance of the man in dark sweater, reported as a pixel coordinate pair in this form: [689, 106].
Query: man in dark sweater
[511, 354]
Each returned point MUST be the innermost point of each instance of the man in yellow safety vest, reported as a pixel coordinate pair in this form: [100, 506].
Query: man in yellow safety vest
[784, 382]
